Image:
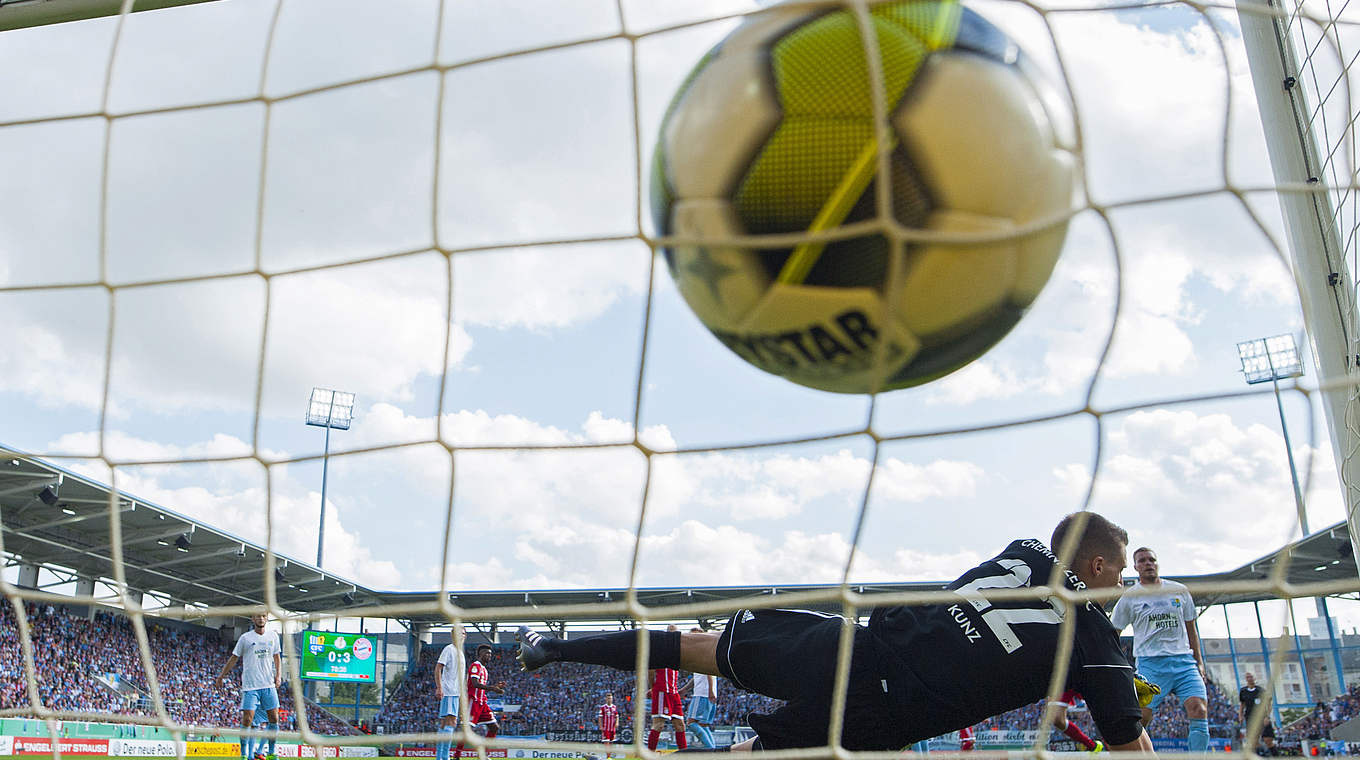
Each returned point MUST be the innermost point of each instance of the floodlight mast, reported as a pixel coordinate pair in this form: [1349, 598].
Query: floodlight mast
[1281, 361]
[1274, 359]
[329, 409]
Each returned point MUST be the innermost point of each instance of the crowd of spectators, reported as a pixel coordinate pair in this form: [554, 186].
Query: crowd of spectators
[1168, 721]
[1318, 723]
[62, 659]
[410, 707]
[563, 698]
[93, 665]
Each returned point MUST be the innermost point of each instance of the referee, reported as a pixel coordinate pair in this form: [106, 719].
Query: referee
[1251, 698]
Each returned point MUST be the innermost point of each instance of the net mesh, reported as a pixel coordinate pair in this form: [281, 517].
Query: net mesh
[424, 92]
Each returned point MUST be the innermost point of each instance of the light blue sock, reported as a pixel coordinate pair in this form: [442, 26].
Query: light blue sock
[272, 737]
[705, 736]
[441, 749]
[1199, 735]
[246, 745]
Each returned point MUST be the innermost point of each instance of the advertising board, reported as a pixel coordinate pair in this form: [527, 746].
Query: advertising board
[141, 748]
[35, 745]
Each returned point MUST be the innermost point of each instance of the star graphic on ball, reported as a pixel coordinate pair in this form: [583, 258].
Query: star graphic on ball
[704, 268]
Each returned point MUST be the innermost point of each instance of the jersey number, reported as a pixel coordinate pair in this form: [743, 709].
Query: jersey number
[999, 619]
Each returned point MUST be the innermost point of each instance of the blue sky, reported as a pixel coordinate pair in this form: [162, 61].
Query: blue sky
[544, 341]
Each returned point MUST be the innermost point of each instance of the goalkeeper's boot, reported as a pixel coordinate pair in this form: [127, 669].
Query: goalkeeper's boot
[1145, 689]
[1100, 746]
[535, 649]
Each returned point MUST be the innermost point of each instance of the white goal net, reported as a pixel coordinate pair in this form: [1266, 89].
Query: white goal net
[443, 208]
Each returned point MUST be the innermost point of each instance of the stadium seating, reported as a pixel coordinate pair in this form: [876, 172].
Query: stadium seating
[93, 665]
[77, 662]
[1168, 721]
[564, 698]
[1319, 723]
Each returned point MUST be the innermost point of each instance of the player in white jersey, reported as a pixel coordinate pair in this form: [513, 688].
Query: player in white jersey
[261, 673]
[703, 705]
[448, 680]
[1166, 642]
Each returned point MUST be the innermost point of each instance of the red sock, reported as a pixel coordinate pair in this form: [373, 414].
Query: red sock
[653, 737]
[1079, 736]
[457, 753]
[680, 740]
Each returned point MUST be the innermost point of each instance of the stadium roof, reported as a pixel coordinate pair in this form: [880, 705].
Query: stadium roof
[68, 528]
[1323, 557]
[57, 519]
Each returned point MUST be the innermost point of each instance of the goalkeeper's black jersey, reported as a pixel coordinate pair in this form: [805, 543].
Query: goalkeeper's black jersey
[954, 665]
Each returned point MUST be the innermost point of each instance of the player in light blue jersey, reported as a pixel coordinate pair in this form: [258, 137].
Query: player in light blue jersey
[261, 673]
[448, 684]
[1166, 642]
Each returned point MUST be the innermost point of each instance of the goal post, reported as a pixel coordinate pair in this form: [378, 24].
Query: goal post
[22, 14]
[1305, 184]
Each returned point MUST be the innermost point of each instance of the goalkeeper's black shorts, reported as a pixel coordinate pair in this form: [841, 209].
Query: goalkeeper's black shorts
[791, 655]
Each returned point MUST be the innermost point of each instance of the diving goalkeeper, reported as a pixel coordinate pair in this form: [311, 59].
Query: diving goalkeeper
[915, 672]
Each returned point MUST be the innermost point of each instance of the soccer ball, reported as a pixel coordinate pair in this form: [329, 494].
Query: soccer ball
[773, 132]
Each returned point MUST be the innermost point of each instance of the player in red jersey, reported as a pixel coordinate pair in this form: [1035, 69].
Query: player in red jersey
[479, 712]
[967, 741]
[1067, 701]
[609, 719]
[666, 705]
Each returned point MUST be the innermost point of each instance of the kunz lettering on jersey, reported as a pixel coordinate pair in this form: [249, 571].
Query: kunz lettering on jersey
[965, 624]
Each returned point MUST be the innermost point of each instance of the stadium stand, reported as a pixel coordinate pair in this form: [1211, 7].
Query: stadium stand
[564, 699]
[1167, 721]
[561, 700]
[1319, 723]
[92, 665]
[409, 709]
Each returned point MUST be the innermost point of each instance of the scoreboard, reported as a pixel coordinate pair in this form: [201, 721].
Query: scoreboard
[332, 656]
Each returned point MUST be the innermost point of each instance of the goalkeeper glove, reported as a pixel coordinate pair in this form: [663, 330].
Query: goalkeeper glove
[1145, 689]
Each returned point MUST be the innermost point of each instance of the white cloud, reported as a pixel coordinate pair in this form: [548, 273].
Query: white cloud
[727, 555]
[983, 379]
[908, 563]
[341, 181]
[547, 288]
[231, 496]
[938, 480]
[578, 555]
[1207, 492]
[120, 447]
[1176, 255]
[554, 517]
